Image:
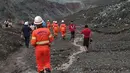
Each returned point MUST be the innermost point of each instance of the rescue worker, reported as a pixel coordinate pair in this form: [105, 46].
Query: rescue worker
[55, 29]
[41, 39]
[87, 36]
[26, 30]
[63, 29]
[48, 24]
[53, 24]
[72, 28]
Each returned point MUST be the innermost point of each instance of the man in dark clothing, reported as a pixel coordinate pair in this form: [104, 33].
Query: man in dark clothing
[26, 33]
[72, 29]
[87, 35]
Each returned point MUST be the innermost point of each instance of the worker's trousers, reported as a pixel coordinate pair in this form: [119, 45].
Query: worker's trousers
[27, 39]
[55, 32]
[42, 57]
[63, 33]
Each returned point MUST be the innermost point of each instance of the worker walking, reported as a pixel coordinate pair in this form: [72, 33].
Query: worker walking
[55, 29]
[48, 24]
[41, 39]
[52, 25]
[63, 29]
[87, 36]
[72, 28]
[26, 30]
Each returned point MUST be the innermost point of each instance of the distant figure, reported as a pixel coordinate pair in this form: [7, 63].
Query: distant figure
[72, 28]
[48, 24]
[55, 29]
[41, 40]
[21, 22]
[26, 30]
[63, 29]
[52, 25]
[6, 22]
[87, 35]
[10, 24]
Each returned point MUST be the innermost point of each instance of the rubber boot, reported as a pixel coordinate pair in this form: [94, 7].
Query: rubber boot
[42, 71]
[48, 70]
[64, 38]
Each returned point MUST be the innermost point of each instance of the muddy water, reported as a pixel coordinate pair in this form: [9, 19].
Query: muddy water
[65, 66]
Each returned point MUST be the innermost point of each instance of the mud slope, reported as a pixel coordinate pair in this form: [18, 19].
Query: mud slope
[9, 42]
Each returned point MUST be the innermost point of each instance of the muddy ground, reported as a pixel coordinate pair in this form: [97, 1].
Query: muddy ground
[108, 53]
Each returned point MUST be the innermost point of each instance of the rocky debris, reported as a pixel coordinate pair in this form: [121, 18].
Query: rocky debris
[106, 19]
[112, 17]
[10, 41]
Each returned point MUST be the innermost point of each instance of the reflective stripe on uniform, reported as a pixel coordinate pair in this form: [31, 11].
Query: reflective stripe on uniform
[33, 38]
[42, 42]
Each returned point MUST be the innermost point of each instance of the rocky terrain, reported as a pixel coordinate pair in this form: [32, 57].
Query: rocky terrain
[108, 53]
[9, 42]
[49, 9]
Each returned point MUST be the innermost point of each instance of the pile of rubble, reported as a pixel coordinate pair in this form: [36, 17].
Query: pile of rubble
[113, 18]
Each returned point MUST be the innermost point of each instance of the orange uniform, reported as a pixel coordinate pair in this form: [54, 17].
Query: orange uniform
[52, 25]
[55, 29]
[63, 30]
[41, 39]
[48, 25]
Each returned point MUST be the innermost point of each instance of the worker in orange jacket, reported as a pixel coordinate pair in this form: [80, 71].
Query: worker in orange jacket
[55, 29]
[63, 29]
[41, 42]
[48, 24]
[53, 24]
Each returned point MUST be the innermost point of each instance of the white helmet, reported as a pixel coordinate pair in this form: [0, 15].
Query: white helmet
[38, 20]
[48, 20]
[55, 21]
[26, 23]
[62, 21]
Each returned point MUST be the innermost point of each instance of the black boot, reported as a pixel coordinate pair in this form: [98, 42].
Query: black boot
[42, 71]
[63, 38]
[48, 70]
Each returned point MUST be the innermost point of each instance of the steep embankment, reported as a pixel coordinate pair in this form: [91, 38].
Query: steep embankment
[48, 9]
[10, 41]
[106, 19]
[28, 9]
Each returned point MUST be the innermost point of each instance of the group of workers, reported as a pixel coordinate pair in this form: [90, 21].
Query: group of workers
[42, 38]
[56, 28]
